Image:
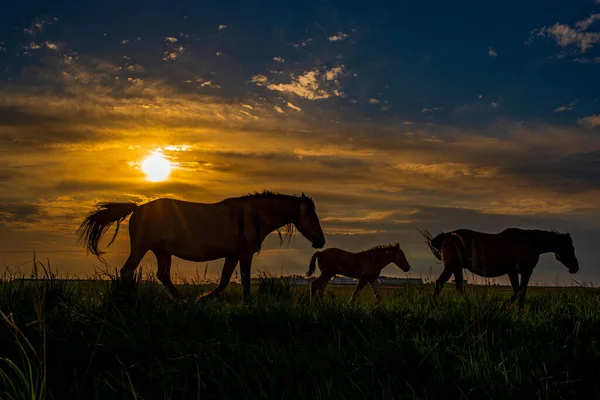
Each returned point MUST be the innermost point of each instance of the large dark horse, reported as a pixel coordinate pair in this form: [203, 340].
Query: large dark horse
[233, 229]
[513, 251]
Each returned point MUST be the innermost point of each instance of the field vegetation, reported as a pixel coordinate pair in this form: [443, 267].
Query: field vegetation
[64, 339]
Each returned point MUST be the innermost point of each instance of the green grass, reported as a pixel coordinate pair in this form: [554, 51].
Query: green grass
[79, 340]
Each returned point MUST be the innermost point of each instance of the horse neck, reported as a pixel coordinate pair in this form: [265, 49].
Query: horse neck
[544, 241]
[381, 258]
[281, 211]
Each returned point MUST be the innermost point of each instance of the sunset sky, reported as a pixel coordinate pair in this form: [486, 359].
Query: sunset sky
[391, 116]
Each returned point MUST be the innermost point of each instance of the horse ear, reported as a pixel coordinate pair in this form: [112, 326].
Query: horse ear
[397, 245]
[303, 196]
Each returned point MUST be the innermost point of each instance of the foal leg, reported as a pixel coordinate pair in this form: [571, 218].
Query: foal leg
[317, 287]
[361, 284]
[375, 288]
[228, 268]
[163, 274]
[245, 269]
[514, 282]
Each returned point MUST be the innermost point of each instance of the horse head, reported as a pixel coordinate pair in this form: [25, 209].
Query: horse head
[565, 253]
[308, 223]
[399, 258]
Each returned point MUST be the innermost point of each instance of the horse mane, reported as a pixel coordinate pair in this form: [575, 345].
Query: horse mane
[269, 193]
[379, 247]
[286, 232]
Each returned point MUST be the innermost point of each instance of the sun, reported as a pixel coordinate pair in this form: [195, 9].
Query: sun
[156, 167]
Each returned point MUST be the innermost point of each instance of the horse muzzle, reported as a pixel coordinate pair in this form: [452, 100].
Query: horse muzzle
[318, 245]
[573, 270]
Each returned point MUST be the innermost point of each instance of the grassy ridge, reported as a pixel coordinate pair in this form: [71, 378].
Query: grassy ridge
[94, 344]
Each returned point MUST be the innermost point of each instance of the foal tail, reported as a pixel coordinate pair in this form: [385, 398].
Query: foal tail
[97, 223]
[313, 263]
[434, 243]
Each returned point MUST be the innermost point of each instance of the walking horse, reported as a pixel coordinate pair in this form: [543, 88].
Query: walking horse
[233, 228]
[511, 252]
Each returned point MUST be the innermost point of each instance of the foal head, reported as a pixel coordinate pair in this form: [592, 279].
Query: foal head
[399, 258]
[308, 222]
[565, 252]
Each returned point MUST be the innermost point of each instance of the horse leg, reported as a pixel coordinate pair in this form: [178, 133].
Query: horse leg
[523, 292]
[458, 280]
[228, 268]
[439, 283]
[128, 269]
[514, 281]
[163, 258]
[245, 269]
[361, 284]
[375, 288]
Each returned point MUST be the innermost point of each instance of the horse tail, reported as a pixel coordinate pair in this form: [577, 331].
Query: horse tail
[313, 263]
[97, 223]
[434, 243]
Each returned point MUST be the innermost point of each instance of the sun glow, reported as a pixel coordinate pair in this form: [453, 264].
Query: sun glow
[156, 167]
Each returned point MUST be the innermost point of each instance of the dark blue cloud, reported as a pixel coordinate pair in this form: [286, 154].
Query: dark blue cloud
[408, 58]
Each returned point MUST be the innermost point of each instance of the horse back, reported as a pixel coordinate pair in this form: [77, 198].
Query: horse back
[334, 261]
[187, 226]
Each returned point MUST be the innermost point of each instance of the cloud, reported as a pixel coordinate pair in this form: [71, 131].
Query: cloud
[278, 109]
[590, 122]
[173, 54]
[584, 24]
[293, 107]
[278, 59]
[337, 37]
[170, 39]
[567, 107]
[565, 35]
[492, 52]
[311, 85]
[373, 100]
[221, 27]
[302, 43]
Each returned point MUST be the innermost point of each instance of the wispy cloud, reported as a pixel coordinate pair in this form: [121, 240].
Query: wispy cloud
[221, 27]
[492, 52]
[567, 107]
[293, 107]
[338, 37]
[565, 35]
[311, 85]
[590, 122]
[278, 59]
[584, 24]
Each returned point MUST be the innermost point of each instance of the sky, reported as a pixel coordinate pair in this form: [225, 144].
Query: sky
[393, 117]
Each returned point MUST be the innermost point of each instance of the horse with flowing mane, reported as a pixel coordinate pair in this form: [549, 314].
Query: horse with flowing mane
[511, 252]
[365, 266]
[233, 228]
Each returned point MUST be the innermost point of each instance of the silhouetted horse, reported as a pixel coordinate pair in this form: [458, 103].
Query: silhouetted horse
[233, 229]
[364, 266]
[513, 251]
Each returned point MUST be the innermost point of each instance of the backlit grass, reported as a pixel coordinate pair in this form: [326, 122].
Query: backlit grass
[87, 340]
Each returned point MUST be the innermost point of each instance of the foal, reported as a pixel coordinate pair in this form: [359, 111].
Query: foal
[364, 266]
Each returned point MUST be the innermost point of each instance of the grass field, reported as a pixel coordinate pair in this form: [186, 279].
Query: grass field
[78, 340]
